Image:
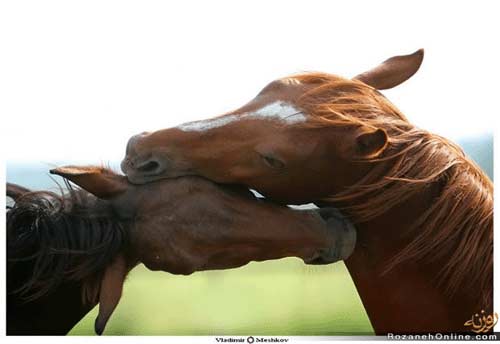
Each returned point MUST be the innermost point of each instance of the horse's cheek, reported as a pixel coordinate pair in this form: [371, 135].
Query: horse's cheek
[157, 243]
[147, 243]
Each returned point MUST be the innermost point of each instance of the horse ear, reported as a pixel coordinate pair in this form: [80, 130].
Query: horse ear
[110, 291]
[370, 143]
[393, 71]
[99, 181]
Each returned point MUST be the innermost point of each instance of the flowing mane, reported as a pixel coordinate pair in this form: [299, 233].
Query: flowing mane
[458, 224]
[70, 237]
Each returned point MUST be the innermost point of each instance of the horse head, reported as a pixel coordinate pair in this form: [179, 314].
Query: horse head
[298, 130]
[191, 224]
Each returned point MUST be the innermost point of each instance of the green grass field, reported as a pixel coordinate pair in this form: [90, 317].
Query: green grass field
[283, 297]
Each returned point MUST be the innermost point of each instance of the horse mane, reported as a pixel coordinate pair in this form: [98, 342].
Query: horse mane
[73, 236]
[460, 219]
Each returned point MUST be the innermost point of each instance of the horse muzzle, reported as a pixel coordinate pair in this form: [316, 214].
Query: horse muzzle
[142, 168]
[344, 235]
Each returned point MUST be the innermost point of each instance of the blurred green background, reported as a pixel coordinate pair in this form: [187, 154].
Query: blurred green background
[282, 297]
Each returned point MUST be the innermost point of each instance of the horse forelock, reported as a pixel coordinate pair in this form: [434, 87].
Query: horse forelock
[459, 223]
[70, 237]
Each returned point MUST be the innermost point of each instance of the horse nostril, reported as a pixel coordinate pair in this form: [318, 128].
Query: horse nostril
[149, 166]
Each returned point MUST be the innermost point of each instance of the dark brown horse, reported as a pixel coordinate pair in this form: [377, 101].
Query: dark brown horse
[424, 211]
[58, 249]
[68, 253]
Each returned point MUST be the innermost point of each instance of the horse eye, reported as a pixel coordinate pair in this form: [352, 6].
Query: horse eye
[272, 162]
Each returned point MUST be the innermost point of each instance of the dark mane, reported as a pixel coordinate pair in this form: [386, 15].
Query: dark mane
[457, 226]
[70, 237]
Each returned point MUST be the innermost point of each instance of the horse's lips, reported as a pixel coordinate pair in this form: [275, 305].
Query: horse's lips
[141, 179]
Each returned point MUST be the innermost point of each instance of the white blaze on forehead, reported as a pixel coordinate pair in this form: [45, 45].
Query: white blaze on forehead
[278, 110]
[290, 81]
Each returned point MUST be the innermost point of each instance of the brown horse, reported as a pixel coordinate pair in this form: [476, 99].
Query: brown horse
[424, 211]
[67, 253]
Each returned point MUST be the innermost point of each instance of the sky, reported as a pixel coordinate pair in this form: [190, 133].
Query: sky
[80, 78]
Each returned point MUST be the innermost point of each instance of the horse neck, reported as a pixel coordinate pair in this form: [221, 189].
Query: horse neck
[405, 299]
[55, 313]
